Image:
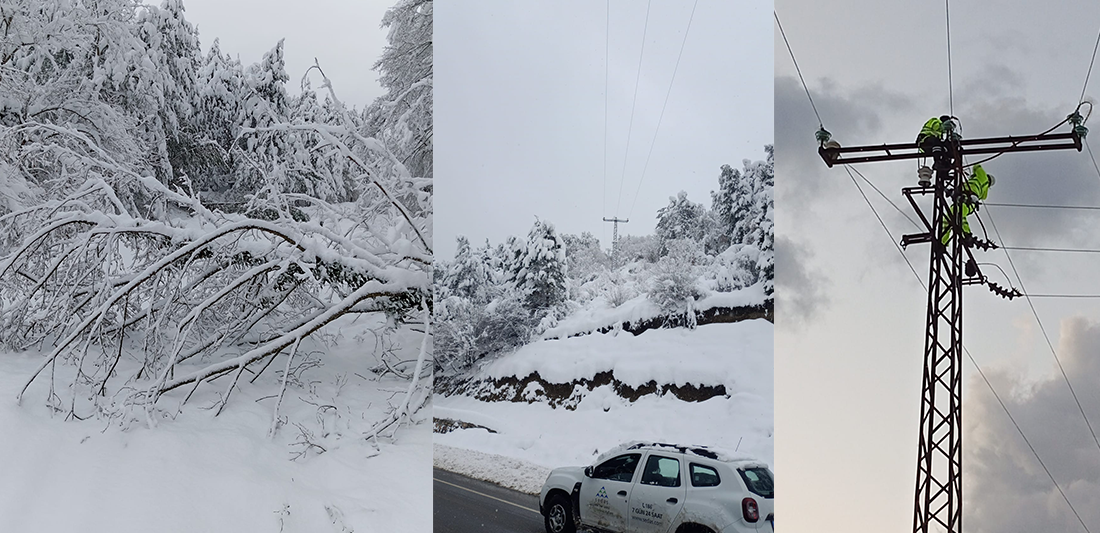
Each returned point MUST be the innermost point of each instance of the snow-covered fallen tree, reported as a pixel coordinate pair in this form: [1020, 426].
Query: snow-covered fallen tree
[109, 254]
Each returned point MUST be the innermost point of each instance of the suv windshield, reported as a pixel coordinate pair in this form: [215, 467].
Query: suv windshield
[758, 480]
[620, 468]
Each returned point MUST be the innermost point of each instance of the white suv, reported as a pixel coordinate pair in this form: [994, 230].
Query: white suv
[678, 489]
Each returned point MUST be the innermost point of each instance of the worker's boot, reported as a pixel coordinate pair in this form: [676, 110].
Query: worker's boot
[971, 268]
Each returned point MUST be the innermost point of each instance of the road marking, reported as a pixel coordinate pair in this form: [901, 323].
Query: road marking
[486, 495]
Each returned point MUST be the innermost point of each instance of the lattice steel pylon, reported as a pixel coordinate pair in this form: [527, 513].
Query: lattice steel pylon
[615, 234]
[939, 455]
[938, 495]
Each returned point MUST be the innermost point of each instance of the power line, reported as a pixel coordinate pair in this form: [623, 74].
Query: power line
[1091, 62]
[883, 224]
[606, 70]
[798, 70]
[1044, 206]
[1042, 249]
[1026, 441]
[1042, 329]
[1063, 295]
[630, 128]
[950, 83]
[665, 104]
[884, 197]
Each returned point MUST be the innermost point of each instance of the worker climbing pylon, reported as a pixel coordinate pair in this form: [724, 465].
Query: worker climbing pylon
[931, 134]
[974, 191]
[932, 139]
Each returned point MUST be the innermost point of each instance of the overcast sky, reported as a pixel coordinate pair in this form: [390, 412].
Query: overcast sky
[851, 316]
[343, 35]
[519, 111]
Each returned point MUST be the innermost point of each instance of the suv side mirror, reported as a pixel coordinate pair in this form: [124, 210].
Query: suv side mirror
[588, 471]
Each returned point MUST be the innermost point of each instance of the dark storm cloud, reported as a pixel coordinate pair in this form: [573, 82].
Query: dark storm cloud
[857, 113]
[800, 290]
[1007, 489]
[1046, 178]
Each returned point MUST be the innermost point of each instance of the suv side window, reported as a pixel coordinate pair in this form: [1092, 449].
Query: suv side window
[620, 468]
[703, 476]
[758, 481]
[661, 471]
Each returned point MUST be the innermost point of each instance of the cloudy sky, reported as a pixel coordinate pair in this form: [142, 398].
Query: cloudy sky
[850, 321]
[519, 111]
[343, 35]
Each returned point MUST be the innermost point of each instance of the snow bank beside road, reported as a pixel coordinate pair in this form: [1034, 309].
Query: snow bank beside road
[738, 355]
[539, 434]
[507, 472]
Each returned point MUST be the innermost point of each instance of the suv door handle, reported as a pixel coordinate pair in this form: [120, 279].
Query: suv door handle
[672, 500]
[621, 493]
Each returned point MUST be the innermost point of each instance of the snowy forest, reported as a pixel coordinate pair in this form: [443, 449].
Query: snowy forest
[175, 222]
[493, 298]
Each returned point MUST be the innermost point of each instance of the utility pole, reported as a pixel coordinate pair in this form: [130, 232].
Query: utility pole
[938, 496]
[615, 234]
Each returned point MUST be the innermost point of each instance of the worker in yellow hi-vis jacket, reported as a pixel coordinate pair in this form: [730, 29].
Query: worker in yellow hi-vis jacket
[930, 134]
[974, 190]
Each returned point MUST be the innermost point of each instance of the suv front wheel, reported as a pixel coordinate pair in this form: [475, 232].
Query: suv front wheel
[559, 515]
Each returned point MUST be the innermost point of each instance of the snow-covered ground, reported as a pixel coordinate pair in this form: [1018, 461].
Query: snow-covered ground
[736, 355]
[717, 354]
[197, 472]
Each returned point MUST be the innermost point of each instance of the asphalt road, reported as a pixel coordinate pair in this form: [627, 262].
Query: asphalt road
[463, 505]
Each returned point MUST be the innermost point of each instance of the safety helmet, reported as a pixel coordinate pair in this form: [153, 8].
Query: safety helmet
[992, 180]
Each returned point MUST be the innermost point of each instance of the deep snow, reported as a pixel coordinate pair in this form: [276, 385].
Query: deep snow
[197, 472]
[738, 355]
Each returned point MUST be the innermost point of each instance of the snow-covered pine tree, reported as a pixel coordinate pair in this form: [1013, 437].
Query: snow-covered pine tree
[403, 116]
[172, 46]
[681, 219]
[217, 110]
[765, 199]
[725, 203]
[583, 254]
[543, 268]
[510, 254]
[264, 104]
[744, 208]
[468, 273]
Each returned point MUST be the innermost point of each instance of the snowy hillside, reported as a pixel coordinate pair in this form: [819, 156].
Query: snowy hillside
[562, 402]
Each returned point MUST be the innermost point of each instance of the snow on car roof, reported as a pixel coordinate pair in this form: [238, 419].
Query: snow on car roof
[709, 452]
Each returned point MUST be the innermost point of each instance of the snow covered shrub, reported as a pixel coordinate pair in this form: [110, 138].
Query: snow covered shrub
[638, 248]
[736, 268]
[469, 330]
[583, 255]
[618, 294]
[674, 283]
